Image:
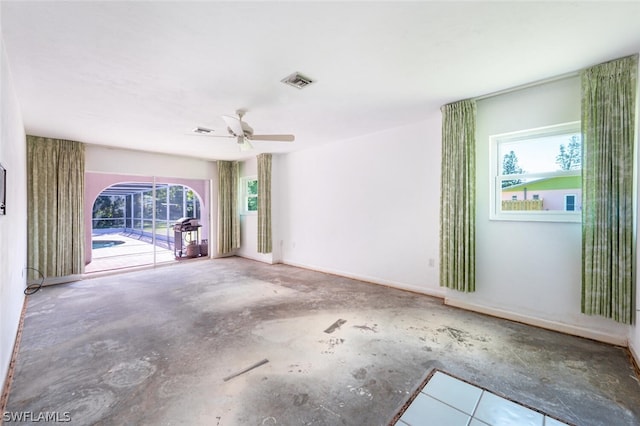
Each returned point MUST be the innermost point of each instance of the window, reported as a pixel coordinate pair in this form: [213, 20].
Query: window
[537, 174]
[250, 194]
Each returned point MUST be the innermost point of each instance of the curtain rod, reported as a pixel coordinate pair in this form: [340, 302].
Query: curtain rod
[528, 85]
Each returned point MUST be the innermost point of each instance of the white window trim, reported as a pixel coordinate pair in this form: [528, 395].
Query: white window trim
[244, 197]
[495, 201]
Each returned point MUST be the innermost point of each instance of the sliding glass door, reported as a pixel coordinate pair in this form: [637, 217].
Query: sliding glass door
[132, 220]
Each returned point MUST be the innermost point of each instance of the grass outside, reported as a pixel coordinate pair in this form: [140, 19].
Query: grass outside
[162, 227]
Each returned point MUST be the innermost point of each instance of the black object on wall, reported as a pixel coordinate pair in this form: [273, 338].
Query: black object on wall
[3, 190]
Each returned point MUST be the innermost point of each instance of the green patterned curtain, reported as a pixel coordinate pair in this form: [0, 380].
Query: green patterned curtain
[228, 218]
[264, 203]
[55, 197]
[457, 196]
[608, 127]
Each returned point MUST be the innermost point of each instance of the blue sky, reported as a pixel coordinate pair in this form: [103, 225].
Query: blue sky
[536, 155]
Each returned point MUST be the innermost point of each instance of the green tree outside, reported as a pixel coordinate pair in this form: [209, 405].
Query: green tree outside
[136, 211]
[570, 157]
[510, 167]
[252, 195]
[105, 209]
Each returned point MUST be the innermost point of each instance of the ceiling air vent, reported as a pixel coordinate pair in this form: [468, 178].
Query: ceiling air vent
[202, 131]
[297, 80]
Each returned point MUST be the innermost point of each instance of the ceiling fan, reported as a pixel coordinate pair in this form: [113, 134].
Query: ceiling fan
[243, 133]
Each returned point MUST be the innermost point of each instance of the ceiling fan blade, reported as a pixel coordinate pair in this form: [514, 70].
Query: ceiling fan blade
[234, 124]
[276, 138]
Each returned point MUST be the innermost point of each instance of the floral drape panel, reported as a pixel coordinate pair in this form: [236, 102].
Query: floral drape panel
[55, 187]
[608, 128]
[457, 197]
[228, 218]
[264, 203]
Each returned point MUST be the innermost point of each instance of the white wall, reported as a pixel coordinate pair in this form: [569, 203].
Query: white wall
[129, 162]
[366, 207]
[13, 226]
[529, 271]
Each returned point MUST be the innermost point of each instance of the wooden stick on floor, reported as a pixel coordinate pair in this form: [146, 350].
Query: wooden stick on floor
[257, 364]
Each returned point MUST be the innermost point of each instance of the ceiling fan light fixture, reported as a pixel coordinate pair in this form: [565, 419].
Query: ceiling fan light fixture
[297, 80]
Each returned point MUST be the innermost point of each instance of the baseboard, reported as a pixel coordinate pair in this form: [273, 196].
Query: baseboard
[62, 280]
[373, 280]
[542, 323]
[635, 357]
[6, 386]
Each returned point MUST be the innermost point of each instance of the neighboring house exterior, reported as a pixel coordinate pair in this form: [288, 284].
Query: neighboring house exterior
[560, 193]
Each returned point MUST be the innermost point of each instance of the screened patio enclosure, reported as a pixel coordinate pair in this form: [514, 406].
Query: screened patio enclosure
[132, 222]
[132, 208]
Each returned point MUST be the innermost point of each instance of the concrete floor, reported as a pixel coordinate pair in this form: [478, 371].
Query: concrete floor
[154, 347]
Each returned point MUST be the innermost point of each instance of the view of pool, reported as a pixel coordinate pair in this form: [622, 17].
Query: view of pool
[96, 244]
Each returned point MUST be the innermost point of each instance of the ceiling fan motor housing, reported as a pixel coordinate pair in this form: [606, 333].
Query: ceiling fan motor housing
[243, 133]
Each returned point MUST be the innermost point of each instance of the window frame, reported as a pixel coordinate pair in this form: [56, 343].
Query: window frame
[245, 195]
[495, 193]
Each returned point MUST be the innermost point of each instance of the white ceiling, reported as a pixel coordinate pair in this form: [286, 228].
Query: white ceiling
[142, 75]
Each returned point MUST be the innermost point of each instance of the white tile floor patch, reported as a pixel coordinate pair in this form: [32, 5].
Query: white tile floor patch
[445, 400]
